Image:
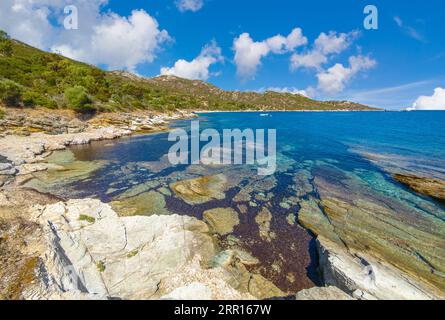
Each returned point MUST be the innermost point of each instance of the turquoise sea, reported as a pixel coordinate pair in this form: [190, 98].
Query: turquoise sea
[320, 155]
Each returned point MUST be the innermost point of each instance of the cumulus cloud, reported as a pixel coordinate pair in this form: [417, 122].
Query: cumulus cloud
[102, 38]
[248, 53]
[290, 90]
[119, 42]
[26, 20]
[313, 59]
[434, 102]
[198, 68]
[279, 44]
[324, 45]
[189, 5]
[334, 43]
[335, 79]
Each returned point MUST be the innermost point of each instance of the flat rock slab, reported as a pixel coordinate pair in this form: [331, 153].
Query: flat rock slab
[201, 190]
[222, 220]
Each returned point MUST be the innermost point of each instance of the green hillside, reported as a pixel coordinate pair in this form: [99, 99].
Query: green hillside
[33, 78]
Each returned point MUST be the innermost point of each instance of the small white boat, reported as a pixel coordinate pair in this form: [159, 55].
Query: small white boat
[264, 115]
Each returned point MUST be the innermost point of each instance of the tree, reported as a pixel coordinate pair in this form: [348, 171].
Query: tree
[10, 92]
[6, 48]
[4, 36]
[78, 99]
[5, 44]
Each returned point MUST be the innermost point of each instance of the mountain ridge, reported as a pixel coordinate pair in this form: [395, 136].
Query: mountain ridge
[30, 77]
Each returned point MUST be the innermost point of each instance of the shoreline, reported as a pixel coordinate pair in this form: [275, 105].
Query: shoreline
[339, 267]
[282, 111]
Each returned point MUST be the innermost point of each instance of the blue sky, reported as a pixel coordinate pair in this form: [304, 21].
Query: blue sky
[402, 60]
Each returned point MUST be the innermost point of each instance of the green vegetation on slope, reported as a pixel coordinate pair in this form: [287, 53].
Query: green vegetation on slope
[30, 77]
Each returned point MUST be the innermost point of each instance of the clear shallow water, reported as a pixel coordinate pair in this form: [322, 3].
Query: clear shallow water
[415, 136]
[363, 147]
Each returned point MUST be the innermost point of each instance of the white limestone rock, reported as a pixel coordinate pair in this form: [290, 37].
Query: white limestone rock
[193, 291]
[99, 254]
[322, 293]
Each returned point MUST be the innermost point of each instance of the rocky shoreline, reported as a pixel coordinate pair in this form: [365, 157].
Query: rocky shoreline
[90, 252]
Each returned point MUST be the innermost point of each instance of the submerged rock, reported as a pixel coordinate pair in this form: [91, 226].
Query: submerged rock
[434, 188]
[228, 257]
[291, 219]
[235, 262]
[312, 217]
[138, 189]
[303, 185]
[36, 147]
[59, 170]
[263, 220]
[144, 204]
[262, 288]
[201, 190]
[221, 220]
[256, 186]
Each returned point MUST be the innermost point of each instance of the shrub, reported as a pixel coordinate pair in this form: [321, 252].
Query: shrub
[86, 218]
[10, 92]
[78, 99]
[34, 99]
[100, 266]
[133, 253]
[2, 113]
[30, 99]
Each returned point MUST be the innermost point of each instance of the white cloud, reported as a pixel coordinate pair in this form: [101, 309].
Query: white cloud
[189, 5]
[296, 39]
[312, 59]
[198, 68]
[248, 53]
[290, 90]
[333, 43]
[335, 79]
[324, 45]
[126, 42]
[102, 38]
[434, 102]
[410, 31]
[118, 42]
[26, 20]
[279, 44]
